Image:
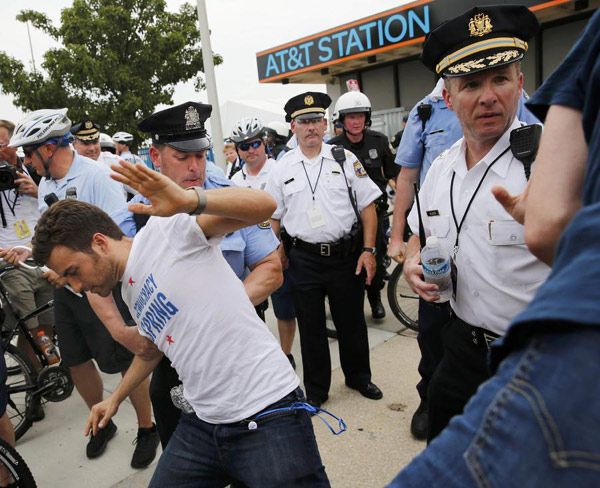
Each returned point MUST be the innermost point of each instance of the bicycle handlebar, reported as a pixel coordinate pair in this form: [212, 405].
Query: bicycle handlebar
[43, 269]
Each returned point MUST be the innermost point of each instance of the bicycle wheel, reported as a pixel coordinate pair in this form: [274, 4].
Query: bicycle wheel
[18, 388]
[404, 302]
[13, 466]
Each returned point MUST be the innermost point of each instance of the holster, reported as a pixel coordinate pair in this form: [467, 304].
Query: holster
[286, 240]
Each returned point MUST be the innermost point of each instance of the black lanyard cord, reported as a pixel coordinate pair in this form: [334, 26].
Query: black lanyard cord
[313, 190]
[459, 226]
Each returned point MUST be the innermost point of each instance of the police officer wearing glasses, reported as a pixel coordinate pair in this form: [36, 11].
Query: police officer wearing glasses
[322, 195]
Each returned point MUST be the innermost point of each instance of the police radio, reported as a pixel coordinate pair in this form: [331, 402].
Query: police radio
[524, 144]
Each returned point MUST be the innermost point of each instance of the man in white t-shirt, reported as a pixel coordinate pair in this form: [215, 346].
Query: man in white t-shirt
[187, 300]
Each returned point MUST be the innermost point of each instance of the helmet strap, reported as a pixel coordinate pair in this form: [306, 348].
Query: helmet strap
[46, 163]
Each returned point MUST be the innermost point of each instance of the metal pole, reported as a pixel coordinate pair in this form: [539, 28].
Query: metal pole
[30, 46]
[211, 85]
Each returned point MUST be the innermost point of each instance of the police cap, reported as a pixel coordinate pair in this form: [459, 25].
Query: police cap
[309, 105]
[86, 131]
[180, 127]
[478, 39]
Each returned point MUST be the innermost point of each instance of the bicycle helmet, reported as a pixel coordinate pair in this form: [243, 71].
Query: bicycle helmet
[246, 129]
[39, 126]
[280, 128]
[106, 141]
[351, 103]
[123, 138]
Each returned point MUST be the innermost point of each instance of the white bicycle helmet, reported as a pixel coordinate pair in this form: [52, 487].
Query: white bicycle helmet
[106, 141]
[123, 137]
[281, 128]
[39, 126]
[351, 103]
[246, 129]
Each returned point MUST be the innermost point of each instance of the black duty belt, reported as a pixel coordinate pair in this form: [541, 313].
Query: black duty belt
[479, 337]
[322, 249]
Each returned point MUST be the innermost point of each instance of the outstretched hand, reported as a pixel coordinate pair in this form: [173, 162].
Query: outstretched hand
[166, 197]
[514, 205]
[100, 414]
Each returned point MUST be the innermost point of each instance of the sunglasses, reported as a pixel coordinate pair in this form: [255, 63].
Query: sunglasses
[244, 146]
[27, 151]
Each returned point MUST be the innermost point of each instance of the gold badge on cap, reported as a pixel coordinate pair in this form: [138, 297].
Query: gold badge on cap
[89, 124]
[309, 100]
[480, 25]
[192, 119]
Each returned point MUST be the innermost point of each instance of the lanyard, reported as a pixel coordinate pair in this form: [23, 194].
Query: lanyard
[459, 226]
[313, 190]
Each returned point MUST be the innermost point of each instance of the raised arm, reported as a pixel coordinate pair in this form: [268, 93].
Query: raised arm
[226, 210]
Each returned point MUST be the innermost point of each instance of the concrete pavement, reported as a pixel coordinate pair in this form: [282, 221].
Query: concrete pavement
[375, 447]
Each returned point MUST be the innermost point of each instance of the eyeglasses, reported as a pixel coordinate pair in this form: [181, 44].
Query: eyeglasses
[244, 146]
[339, 126]
[309, 121]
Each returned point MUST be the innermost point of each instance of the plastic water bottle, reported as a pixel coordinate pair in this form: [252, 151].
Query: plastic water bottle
[436, 268]
[48, 348]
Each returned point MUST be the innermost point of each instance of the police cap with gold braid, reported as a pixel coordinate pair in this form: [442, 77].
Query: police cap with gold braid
[309, 105]
[478, 39]
[86, 131]
[180, 127]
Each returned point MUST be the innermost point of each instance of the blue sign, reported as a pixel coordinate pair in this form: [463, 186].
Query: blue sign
[378, 33]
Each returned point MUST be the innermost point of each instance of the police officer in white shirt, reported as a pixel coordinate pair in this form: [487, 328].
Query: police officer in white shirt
[478, 53]
[248, 136]
[320, 202]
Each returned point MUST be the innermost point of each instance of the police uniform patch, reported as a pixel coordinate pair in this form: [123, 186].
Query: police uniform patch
[373, 153]
[264, 225]
[359, 170]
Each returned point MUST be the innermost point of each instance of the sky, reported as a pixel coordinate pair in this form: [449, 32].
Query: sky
[239, 29]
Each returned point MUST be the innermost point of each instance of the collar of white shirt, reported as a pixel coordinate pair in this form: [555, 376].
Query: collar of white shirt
[500, 167]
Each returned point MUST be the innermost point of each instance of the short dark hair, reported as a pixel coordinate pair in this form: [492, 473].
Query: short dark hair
[72, 224]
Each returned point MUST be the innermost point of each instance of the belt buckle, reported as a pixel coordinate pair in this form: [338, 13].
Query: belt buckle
[325, 249]
[488, 339]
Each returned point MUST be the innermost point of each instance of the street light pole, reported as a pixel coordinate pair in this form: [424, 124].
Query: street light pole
[211, 85]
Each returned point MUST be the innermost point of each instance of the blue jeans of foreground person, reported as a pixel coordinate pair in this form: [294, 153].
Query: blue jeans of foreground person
[281, 451]
[535, 423]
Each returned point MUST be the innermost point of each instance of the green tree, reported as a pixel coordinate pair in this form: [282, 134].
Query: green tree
[119, 59]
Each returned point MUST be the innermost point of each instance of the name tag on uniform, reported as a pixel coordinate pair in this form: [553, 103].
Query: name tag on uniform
[22, 229]
[315, 216]
[433, 213]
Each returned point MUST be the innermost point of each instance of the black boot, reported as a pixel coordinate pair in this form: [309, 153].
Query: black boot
[377, 310]
[418, 425]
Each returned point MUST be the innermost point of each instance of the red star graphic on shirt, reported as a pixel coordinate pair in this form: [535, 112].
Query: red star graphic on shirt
[170, 339]
[131, 282]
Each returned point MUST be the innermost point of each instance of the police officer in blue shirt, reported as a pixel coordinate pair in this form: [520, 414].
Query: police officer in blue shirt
[179, 145]
[431, 129]
[44, 136]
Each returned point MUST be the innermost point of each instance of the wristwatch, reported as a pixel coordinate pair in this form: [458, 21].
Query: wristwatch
[372, 250]
[201, 200]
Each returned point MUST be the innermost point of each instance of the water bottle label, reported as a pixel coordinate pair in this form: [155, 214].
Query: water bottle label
[437, 269]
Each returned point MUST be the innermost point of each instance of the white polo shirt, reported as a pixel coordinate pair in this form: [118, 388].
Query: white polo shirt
[497, 274]
[258, 181]
[292, 182]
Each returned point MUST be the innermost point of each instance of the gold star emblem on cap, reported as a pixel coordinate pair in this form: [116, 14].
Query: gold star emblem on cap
[89, 124]
[309, 100]
[480, 25]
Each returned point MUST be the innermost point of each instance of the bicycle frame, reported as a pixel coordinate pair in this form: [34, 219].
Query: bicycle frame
[20, 323]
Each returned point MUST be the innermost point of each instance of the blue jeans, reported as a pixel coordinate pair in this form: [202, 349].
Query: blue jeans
[535, 423]
[280, 452]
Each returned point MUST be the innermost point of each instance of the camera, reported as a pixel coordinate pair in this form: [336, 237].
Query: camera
[8, 175]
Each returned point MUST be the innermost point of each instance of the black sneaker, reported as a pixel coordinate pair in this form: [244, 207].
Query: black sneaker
[97, 443]
[292, 360]
[35, 411]
[147, 441]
